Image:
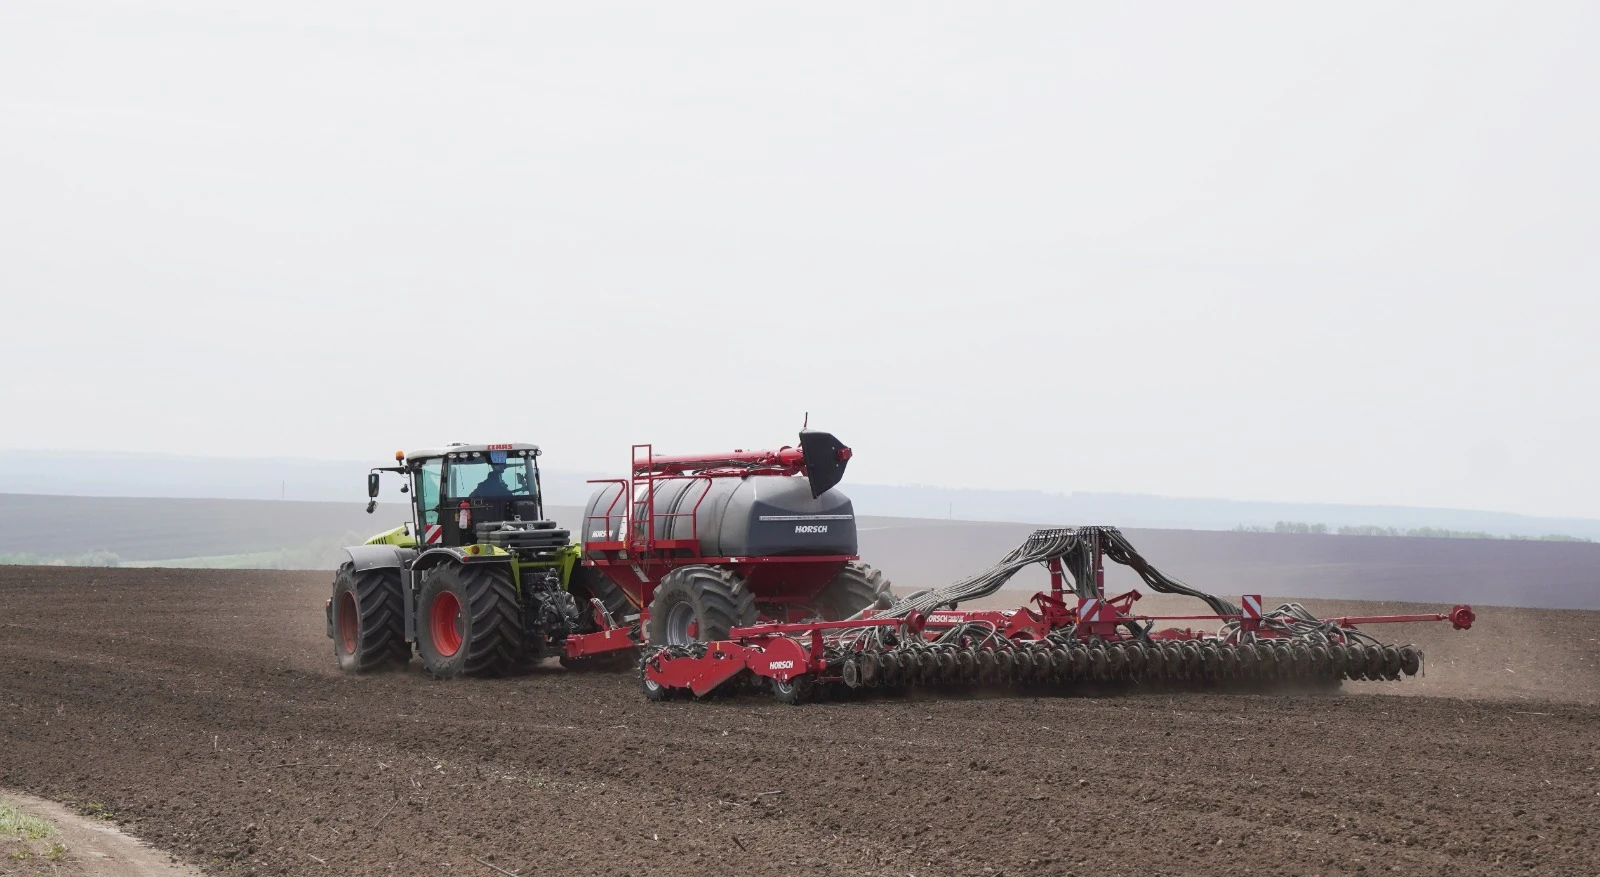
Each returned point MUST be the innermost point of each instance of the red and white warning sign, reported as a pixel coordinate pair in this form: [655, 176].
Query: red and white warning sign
[1252, 606]
[432, 533]
[1088, 610]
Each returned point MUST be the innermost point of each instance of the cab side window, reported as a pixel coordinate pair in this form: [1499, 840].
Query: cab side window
[428, 491]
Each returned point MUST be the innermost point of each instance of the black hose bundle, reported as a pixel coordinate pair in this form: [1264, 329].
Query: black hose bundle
[1119, 549]
[1075, 548]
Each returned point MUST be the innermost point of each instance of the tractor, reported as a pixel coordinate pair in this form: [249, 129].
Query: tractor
[684, 550]
[478, 580]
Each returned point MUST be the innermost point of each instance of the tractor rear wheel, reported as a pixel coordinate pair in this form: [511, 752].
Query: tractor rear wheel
[699, 604]
[367, 619]
[469, 620]
[856, 587]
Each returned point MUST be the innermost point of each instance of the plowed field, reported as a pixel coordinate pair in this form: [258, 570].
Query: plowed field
[202, 710]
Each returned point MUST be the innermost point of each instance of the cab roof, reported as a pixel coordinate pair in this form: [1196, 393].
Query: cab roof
[519, 449]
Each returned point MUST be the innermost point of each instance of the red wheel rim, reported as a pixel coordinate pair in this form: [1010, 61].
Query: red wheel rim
[349, 623]
[444, 620]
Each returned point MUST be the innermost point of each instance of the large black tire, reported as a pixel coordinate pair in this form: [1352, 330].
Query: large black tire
[367, 620]
[586, 582]
[699, 604]
[856, 587]
[469, 620]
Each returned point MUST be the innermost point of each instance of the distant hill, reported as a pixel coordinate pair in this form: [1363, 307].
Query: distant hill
[1182, 513]
[140, 475]
[914, 552]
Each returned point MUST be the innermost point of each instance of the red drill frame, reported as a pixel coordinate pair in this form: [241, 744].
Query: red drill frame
[773, 650]
[784, 651]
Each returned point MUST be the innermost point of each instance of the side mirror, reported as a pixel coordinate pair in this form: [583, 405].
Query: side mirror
[371, 504]
[372, 485]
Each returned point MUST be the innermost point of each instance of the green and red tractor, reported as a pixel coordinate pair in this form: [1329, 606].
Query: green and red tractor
[683, 550]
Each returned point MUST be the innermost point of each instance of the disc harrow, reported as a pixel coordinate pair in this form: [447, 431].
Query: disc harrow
[1091, 643]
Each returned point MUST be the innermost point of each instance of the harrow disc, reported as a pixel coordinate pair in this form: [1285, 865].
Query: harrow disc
[1097, 662]
[1249, 664]
[1004, 664]
[1302, 660]
[1079, 662]
[1022, 663]
[1194, 659]
[1410, 660]
[1391, 662]
[1137, 658]
[966, 666]
[1060, 663]
[1228, 662]
[1155, 661]
[1375, 663]
[1115, 660]
[871, 672]
[1043, 664]
[891, 668]
[1355, 661]
[850, 671]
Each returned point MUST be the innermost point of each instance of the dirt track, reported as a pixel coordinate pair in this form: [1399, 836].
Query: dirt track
[203, 710]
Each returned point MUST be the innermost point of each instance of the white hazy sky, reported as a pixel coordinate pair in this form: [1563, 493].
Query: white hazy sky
[1335, 252]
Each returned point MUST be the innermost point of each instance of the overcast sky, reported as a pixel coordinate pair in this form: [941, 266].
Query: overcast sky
[1342, 252]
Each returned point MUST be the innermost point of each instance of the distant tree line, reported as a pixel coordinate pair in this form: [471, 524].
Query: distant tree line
[1304, 528]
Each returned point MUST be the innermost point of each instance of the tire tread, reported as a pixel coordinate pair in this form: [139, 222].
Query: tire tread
[380, 610]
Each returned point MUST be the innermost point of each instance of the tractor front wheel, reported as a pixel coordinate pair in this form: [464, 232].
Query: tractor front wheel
[367, 619]
[699, 604]
[469, 620]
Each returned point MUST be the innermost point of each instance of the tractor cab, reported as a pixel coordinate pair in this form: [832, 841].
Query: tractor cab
[471, 489]
[477, 494]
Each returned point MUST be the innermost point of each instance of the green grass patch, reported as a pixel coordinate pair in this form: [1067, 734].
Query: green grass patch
[92, 558]
[15, 823]
[320, 554]
[257, 560]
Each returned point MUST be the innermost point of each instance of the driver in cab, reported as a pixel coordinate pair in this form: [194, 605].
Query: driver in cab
[493, 485]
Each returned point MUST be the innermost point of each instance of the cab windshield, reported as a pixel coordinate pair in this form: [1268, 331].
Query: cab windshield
[490, 475]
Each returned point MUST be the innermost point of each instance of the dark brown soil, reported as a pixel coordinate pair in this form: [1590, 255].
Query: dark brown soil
[202, 709]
